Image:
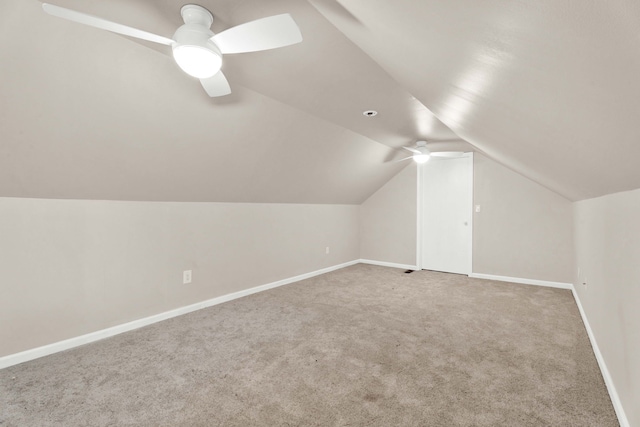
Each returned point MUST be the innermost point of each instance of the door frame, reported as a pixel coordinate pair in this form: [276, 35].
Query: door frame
[420, 212]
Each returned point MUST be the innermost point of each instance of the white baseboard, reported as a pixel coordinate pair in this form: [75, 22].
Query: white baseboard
[25, 356]
[535, 282]
[389, 264]
[613, 394]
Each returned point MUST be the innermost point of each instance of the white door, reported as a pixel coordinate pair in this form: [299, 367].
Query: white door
[447, 199]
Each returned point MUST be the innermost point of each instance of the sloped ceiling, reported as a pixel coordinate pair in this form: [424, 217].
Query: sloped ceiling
[549, 88]
[94, 115]
[546, 88]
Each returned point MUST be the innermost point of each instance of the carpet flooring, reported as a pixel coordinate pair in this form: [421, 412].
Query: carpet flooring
[361, 346]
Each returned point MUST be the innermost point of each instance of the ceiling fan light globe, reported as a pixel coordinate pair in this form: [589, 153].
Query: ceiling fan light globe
[421, 158]
[197, 61]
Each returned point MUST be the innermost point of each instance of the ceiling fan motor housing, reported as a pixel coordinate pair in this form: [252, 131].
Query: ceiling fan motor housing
[195, 35]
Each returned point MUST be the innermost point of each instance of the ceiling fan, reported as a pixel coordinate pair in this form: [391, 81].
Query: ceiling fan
[421, 153]
[196, 49]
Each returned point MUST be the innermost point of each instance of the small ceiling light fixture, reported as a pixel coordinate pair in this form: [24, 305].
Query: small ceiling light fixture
[197, 61]
[421, 153]
[421, 158]
[193, 49]
[370, 113]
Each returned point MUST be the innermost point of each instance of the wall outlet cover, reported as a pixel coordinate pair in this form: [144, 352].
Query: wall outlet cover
[186, 277]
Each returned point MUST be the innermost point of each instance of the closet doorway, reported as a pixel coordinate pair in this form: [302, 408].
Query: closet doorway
[445, 204]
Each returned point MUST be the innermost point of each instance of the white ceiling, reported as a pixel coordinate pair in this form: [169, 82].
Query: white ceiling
[546, 88]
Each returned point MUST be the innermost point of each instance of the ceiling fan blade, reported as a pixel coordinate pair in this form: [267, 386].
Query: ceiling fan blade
[94, 21]
[402, 160]
[448, 154]
[262, 34]
[413, 150]
[216, 85]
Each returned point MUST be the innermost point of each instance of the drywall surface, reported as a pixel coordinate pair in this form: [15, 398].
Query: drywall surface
[71, 267]
[523, 229]
[388, 220]
[607, 242]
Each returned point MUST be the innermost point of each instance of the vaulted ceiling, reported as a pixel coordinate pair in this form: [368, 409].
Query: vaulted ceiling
[547, 88]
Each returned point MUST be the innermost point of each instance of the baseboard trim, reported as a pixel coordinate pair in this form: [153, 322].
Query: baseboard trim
[389, 264]
[611, 388]
[45, 350]
[535, 282]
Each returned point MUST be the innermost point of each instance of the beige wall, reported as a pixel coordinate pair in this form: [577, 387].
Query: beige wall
[69, 267]
[607, 242]
[388, 220]
[523, 230]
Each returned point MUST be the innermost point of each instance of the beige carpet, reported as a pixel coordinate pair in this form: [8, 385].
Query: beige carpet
[362, 346]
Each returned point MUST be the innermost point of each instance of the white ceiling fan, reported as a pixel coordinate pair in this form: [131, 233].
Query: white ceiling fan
[421, 154]
[196, 49]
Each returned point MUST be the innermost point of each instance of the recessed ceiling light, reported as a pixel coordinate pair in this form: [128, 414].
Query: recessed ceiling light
[370, 113]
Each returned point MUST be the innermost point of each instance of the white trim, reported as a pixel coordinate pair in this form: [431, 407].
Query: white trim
[389, 264]
[613, 394]
[560, 285]
[45, 350]
[471, 215]
[419, 215]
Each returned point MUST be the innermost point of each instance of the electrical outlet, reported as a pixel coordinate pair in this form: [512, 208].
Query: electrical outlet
[186, 277]
[327, 250]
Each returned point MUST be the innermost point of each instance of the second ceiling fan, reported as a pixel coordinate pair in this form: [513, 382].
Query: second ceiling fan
[421, 154]
[196, 49]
